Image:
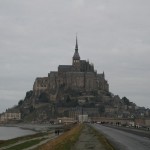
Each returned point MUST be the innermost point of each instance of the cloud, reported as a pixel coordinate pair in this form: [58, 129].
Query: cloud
[36, 36]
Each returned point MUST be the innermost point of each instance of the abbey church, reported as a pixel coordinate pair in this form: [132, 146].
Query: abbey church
[80, 76]
[70, 91]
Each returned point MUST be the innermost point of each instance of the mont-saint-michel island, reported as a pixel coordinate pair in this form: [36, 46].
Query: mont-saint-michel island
[75, 75]
[70, 104]
[75, 92]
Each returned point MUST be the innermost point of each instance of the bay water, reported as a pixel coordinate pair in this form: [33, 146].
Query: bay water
[13, 132]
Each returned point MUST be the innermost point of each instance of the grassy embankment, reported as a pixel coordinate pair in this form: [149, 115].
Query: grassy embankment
[103, 140]
[64, 141]
[4, 143]
[26, 144]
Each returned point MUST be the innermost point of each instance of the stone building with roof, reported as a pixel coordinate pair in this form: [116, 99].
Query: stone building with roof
[80, 76]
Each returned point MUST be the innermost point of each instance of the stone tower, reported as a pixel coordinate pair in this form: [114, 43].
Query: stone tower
[76, 58]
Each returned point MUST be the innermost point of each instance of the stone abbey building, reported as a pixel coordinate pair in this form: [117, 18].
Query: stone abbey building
[70, 91]
[80, 76]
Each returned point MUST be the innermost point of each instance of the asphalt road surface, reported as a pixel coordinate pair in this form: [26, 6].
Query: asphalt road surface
[122, 140]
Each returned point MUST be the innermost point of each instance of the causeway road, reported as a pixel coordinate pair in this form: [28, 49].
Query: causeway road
[122, 140]
[88, 141]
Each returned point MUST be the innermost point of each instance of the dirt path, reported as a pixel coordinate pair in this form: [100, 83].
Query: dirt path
[88, 141]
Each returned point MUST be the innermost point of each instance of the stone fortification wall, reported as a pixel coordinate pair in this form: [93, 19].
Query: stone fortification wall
[75, 80]
[53, 80]
[102, 83]
[40, 84]
[86, 81]
[90, 81]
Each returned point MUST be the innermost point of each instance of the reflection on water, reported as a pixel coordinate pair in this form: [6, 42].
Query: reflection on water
[12, 132]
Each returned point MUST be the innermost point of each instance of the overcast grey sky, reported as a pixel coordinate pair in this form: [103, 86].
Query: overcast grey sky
[38, 35]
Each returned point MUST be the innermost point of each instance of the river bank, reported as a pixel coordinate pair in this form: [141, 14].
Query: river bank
[7, 133]
[10, 131]
[32, 141]
[33, 127]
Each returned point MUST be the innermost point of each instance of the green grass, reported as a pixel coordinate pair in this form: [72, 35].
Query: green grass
[4, 143]
[67, 144]
[64, 141]
[25, 144]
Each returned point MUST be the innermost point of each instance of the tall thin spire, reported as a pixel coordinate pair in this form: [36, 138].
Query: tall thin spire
[76, 55]
[76, 47]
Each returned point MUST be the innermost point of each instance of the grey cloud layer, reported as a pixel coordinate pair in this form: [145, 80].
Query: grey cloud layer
[36, 36]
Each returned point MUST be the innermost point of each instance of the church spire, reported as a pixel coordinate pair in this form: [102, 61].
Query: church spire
[76, 55]
[76, 47]
[76, 58]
